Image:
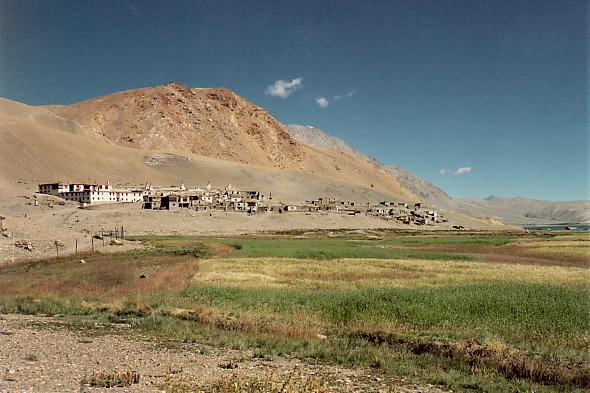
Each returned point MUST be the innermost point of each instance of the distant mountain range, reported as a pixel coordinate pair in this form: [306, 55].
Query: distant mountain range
[524, 211]
[518, 211]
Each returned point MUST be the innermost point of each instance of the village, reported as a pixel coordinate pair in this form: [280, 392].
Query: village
[230, 199]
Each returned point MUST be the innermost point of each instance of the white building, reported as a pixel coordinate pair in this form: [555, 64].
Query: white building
[91, 193]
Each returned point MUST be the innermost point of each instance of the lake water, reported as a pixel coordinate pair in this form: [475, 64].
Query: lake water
[556, 227]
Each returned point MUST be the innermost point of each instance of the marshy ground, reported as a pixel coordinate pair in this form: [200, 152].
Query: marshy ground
[369, 310]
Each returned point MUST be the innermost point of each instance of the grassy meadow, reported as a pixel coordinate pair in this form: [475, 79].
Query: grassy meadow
[468, 311]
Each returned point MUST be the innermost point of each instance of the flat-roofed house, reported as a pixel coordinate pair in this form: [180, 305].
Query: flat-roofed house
[152, 201]
[53, 188]
[90, 193]
[174, 202]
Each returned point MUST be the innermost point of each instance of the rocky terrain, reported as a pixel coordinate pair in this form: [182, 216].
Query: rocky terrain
[48, 354]
[316, 137]
[209, 122]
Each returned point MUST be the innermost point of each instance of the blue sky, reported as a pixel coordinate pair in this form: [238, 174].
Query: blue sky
[498, 88]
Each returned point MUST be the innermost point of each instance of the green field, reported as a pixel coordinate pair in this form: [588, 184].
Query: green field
[470, 311]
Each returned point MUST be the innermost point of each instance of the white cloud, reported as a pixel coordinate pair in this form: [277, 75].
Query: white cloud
[339, 97]
[322, 102]
[459, 171]
[283, 88]
[462, 170]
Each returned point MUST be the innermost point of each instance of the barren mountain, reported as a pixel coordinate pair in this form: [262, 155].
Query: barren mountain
[421, 188]
[42, 144]
[518, 210]
[209, 122]
[219, 124]
[563, 212]
[316, 137]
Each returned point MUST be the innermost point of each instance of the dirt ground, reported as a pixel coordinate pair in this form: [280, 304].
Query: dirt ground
[48, 354]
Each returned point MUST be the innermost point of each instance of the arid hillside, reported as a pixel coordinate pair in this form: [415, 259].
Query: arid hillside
[316, 137]
[37, 145]
[209, 122]
[218, 124]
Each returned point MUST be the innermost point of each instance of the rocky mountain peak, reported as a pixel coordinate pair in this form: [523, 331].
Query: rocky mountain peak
[213, 122]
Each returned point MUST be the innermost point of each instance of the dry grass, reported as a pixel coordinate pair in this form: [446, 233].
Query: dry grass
[220, 249]
[103, 278]
[557, 244]
[344, 273]
[512, 363]
[168, 278]
[242, 384]
[566, 248]
[111, 379]
[537, 253]
[305, 327]
[568, 252]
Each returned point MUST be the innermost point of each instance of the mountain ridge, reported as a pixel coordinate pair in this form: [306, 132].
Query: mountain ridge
[314, 136]
[174, 117]
[510, 210]
[130, 128]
